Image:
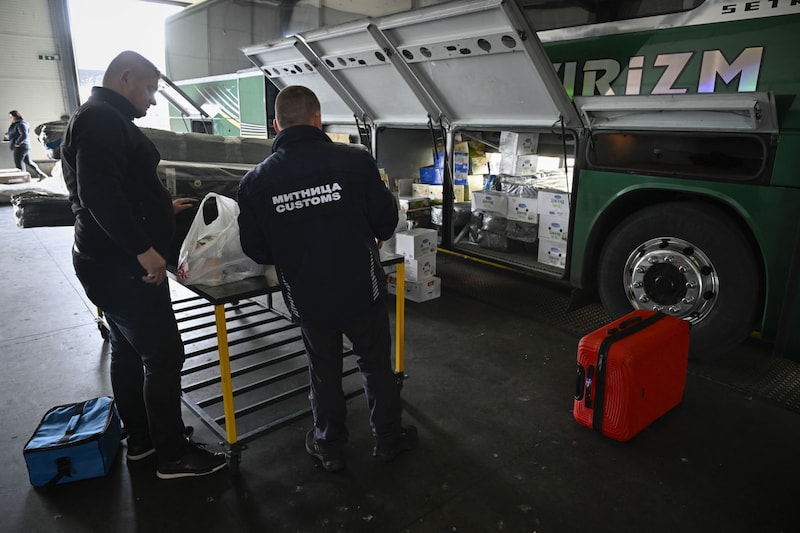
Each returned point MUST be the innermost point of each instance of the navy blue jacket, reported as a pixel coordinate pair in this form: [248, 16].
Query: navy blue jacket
[314, 209]
[19, 133]
[121, 207]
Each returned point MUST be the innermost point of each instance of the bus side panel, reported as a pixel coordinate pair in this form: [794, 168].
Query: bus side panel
[743, 56]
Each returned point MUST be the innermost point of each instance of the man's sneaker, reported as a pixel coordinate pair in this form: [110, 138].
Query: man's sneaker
[407, 441]
[139, 451]
[331, 461]
[196, 461]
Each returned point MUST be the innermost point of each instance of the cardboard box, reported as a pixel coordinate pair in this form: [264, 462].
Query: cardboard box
[522, 209]
[548, 163]
[553, 227]
[474, 184]
[436, 193]
[420, 189]
[420, 268]
[423, 213]
[417, 291]
[553, 203]
[431, 175]
[459, 193]
[518, 165]
[478, 164]
[416, 242]
[10, 176]
[491, 201]
[403, 186]
[552, 252]
[518, 143]
[460, 165]
[408, 203]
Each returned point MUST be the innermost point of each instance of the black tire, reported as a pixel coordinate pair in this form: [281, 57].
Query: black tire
[688, 260]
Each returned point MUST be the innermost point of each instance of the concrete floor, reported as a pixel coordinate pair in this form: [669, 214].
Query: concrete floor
[490, 388]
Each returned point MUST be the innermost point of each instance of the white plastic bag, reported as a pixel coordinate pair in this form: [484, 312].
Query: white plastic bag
[211, 254]
[388, 246]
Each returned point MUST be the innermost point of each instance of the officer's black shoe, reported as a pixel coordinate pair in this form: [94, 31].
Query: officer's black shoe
[407, 441]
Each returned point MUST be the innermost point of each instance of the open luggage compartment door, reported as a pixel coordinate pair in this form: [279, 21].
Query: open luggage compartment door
[476, 63]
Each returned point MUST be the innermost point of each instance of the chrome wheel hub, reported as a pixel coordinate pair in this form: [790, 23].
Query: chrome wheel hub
[671, 276]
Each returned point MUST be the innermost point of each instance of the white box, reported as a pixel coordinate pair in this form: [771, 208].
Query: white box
[553, 227]
[416, 242]
[492, 201]
[421, 291]
[518, 143]
[553, 203]
[553, 252]
[420, 268]
[548, 163]
[522, 209]
[518, 165]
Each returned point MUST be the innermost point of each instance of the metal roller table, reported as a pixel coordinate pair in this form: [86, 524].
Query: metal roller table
[268, 367]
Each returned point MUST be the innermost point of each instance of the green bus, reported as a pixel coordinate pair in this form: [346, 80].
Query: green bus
[665, 168]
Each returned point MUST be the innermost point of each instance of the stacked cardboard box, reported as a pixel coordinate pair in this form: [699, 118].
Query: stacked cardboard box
[553, 208]
[518, 153]
[418, 248]
[417, 208]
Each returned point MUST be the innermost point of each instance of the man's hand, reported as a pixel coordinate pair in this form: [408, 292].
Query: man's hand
[154, 265]
[182, 204]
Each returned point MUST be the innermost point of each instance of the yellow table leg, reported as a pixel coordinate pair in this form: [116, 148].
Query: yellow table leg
[225, 373]
[399, 319]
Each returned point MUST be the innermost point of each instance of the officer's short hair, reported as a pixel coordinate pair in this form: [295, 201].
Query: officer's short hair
[296, 105]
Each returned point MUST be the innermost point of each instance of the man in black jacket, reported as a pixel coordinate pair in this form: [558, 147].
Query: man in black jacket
[124, 219]
[314, 209]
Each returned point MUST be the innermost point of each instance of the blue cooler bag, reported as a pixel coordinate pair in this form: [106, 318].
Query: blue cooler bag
[74, 442]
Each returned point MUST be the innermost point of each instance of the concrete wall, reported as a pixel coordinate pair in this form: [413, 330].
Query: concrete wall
[206, 39]
[31, 85]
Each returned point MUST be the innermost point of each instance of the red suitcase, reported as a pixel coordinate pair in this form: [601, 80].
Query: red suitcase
[630, 372]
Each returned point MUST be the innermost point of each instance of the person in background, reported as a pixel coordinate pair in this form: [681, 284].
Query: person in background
[314, 209]
[124, 220]
[19, 134]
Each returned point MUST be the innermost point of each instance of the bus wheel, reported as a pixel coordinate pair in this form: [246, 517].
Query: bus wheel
[687, 260]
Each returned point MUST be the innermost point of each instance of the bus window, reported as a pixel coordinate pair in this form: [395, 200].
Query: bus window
[552, 14]
[730, 157]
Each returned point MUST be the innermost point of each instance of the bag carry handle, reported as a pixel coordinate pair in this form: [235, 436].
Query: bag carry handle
[583, 385]
[580, 377]
[628, 322]
[72, 427]
[63, 469]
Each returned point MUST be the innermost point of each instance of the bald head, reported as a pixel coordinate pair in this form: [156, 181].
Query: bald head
[295, 106]
[134, 77]
[128, 61]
